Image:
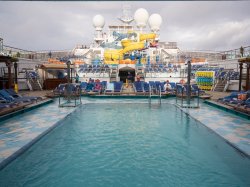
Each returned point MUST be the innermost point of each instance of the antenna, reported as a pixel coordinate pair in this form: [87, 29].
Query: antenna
[126, 17]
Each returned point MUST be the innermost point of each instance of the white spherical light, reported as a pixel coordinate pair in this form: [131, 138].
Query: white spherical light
[155, 21]
[98, 22]
[141, 17]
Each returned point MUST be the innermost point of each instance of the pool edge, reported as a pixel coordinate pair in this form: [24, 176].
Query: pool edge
[25, 147]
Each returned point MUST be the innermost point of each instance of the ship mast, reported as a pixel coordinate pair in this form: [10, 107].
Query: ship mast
[126, 17]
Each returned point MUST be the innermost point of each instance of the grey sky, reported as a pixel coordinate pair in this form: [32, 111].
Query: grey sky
[194, 25]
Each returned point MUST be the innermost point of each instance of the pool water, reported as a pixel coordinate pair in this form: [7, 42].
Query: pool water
[129, 144]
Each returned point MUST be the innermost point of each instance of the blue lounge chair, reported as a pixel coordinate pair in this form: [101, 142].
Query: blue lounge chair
[59, 89]
[146, 87]
[138, 86]
[9, 98]
[15, 95]
[118, 87]
[197, 89]
[83, 86]
[232, 97]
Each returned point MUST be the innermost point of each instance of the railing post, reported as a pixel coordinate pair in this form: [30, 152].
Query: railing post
[160, 94]
[198, 99]
[182, 96]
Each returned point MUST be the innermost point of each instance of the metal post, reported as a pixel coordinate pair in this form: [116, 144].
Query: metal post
[68, 80]
[68, 72]
[188, 82]
[198, 102]
[160, 94]
[247, 80]
[241, 64]
[149, 96]
[9, 65]
[182, 96]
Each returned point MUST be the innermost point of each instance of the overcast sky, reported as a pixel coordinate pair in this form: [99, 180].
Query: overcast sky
[194, 25]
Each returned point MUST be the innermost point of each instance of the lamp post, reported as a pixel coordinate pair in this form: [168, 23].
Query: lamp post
[68, 71]
[188, 81]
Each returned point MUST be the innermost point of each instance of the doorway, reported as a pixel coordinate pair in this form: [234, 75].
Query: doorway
[124, 72]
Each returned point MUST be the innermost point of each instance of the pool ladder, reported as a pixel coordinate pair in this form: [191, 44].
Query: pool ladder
[150, 96]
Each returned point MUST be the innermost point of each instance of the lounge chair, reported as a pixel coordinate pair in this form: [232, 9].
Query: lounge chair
[15, 95]
[138, 86]
[197, 89]
[90, 86]
[83, 86]
[59, 89]
[118, 87]
[97, 88]
[233, 96]
[180, 89]
[146, 87]
[9, 98]
[110, 88]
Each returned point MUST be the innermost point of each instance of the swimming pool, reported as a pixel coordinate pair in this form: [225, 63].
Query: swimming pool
[129, 144]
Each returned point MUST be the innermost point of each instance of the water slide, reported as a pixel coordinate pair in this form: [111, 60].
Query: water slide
[147, 36]
[114, 54]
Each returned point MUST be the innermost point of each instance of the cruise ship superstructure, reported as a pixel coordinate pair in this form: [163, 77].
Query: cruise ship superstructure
[129, 48]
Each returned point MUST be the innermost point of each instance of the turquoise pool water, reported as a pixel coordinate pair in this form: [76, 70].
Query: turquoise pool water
[129, 144]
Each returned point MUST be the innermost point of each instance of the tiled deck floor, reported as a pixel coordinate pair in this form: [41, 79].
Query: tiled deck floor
[232, 128]
[21, 130]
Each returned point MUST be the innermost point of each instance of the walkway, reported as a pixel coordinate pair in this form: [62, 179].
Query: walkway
[232, 128]
[20, 132]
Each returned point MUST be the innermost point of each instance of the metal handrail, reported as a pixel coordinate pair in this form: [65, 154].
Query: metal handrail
[159, 94]
[149, 95]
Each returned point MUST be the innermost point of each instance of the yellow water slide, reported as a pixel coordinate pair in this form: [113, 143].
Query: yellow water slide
[147, 36]
[117, 54]
[133, 46]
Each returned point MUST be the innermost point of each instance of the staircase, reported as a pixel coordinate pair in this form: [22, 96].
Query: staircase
[127, 90]
[140, 73]
[113, 74]
[33, 82]
[219, 87]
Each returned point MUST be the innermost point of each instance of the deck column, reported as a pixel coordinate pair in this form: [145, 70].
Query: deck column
[9, 65]
[15, 66]
[247, 80]
[241, 64]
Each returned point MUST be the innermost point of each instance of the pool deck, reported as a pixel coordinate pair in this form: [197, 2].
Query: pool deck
[18, 133]
[230, 127]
